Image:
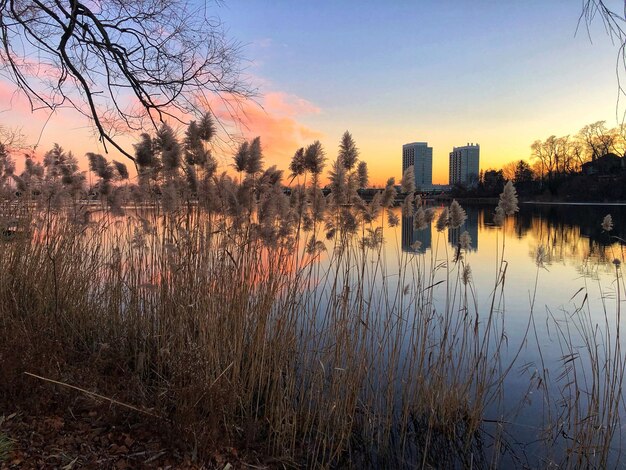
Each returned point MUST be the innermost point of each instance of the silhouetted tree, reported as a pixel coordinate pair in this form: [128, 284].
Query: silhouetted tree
[597, 140]
[493, 182]
[508, 170]
[523, 173]
[554, 155]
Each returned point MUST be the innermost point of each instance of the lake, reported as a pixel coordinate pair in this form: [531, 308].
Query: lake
[571, 292]
[347, 337]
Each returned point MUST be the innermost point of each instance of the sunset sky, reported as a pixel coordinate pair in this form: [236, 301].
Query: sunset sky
[501, 74]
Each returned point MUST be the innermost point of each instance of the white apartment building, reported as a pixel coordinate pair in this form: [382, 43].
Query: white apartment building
[464, 165]
[420, 155]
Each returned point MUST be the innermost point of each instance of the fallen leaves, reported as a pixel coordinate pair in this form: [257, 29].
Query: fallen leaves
[84, 438]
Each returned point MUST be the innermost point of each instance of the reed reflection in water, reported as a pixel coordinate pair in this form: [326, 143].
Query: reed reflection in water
[570, 233]
[561, 271]
[371, 343]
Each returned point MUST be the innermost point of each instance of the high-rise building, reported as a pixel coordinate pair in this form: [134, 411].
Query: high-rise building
[464, 165]
[420, 155]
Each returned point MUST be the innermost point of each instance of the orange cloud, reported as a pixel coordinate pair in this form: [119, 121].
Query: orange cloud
[275, 117]
[279, 102]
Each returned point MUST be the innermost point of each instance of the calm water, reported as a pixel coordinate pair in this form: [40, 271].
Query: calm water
[579, 254]
[571, 293]
[578, 271]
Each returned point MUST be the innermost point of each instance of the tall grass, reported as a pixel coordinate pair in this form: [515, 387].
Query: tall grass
[584, 403]
[241, 315]
[320, 358]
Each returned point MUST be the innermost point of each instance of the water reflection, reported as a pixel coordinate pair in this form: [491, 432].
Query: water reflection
[414, 240]
[419, 241]
[571, 233]
[566, 232]
[470, 226]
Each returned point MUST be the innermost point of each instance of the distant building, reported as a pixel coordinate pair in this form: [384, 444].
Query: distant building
[441, 188]
[420, 155]
[464, 165]
[604, 165]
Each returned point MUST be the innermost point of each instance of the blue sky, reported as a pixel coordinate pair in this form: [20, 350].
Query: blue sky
[499, 73]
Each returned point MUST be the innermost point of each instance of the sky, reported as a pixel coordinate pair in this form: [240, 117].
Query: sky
[498, 73]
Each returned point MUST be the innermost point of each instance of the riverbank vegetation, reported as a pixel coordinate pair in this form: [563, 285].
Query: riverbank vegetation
[236, 316]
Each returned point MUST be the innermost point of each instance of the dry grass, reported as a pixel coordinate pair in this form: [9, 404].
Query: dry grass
[230, 337]
[5, 447]
[583, 400]
[229, 321]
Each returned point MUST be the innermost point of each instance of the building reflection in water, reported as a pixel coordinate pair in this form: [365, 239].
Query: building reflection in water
[470, 226]
[410, 236]
[565, 232]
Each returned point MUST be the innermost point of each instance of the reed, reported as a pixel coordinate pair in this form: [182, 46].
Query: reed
[5, 447]
[244, 316]
[584, 403]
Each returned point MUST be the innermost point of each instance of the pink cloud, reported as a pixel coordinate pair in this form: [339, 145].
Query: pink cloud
[41, 70]
[11, 100]
[281, 103]
[276, 118]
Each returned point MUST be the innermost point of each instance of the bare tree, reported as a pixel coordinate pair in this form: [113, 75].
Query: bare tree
[122, 64]
[619, 146]
[614, 22]
[555, 155]
[508, 170]
[577, 154]
[543, 152]
[11, 139]
[597, 140]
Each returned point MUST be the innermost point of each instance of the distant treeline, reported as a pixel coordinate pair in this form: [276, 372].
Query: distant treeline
[588, 166]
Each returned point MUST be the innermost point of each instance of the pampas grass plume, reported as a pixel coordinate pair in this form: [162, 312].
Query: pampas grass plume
[457, 215]
[443, 220]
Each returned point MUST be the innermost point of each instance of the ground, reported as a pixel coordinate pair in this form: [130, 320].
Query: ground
[52, 424]
[88, 434]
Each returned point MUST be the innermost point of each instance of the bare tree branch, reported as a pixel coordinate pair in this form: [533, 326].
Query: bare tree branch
[121, 64]
[615, 26]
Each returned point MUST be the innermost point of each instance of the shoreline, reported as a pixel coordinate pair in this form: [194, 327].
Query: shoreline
[565, 203]
[494, 200]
